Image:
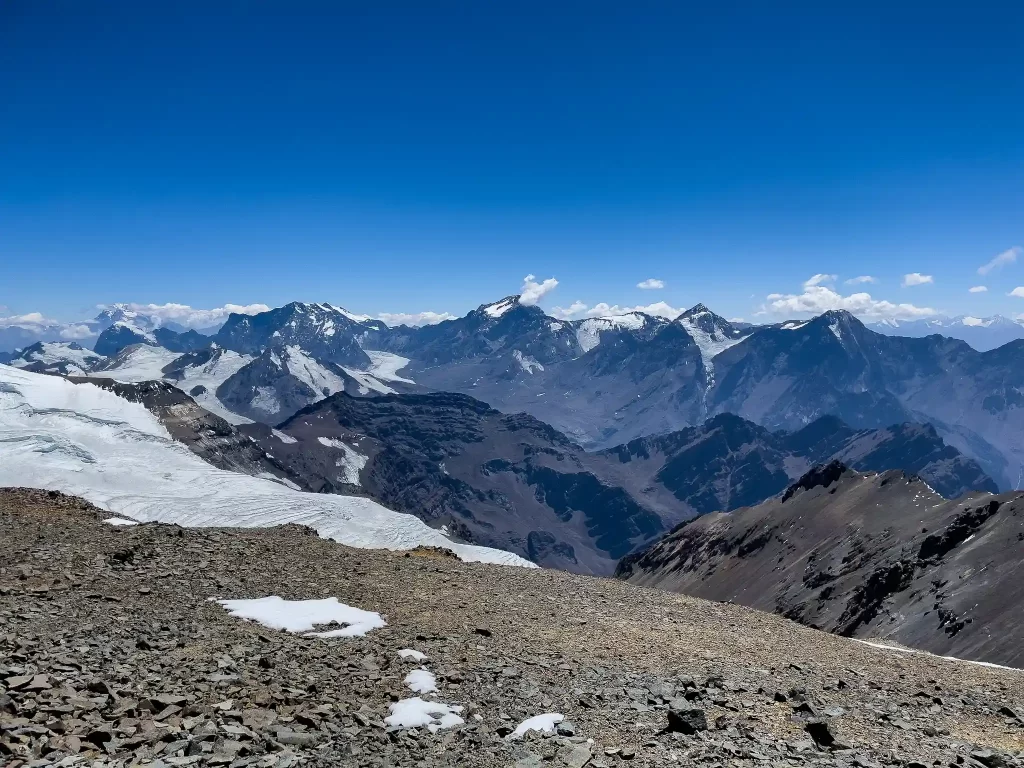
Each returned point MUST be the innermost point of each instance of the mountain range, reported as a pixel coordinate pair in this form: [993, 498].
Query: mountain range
[511, 482]
[600, 381]
[982, 333]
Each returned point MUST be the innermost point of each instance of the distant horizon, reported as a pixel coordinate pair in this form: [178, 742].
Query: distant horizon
[211, 319]
[408, 161]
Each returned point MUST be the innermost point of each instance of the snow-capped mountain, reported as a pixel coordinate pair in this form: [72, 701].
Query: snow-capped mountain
[85, 441]
[328, 334]
[603, 381]
[65, 358]
[18, 333]
[982, 333]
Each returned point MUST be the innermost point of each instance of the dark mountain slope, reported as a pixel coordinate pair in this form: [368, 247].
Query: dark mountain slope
[504, 480]
[865, 555]
[729, 462]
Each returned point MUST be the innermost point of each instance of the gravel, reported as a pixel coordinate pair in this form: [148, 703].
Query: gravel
[112, 652]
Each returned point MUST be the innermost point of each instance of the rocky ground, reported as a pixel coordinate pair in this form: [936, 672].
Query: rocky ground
[112, 653]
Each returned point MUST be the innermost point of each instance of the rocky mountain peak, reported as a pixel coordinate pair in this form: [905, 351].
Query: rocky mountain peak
[822, 476]
[500, 307]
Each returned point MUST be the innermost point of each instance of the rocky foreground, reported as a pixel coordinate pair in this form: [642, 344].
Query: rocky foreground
[113, 653]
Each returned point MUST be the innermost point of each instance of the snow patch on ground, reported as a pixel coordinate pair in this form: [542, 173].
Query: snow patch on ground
[500, 308]
[301, 616]
[120, 521]
[588, 333]
[409, 653]
[421, 681]
[138, 363]
[286, 439]
[351, 462]
[899, 649]
[265, 400]
[526, 362]
[385, 366]
[543, 723]
[418, 713]
[311, 373]
[710, 344]
[56, 353]
[219, 368]
[84, 441]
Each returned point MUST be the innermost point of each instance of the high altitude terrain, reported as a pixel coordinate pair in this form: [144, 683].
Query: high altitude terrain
[112, 653]
[599, 381]
[863, 555]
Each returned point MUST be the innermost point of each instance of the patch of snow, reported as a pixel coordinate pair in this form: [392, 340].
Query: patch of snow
[351, 463]
[417, 713]
[543, 723]
[265, 400]
[84, 441]
[120, 521]
[301, 616]
[421, 681]
[588, 333]
[500, 308]
[793, 325]
[409, 653]
[321, 380]
[139, 363]
[286, 439]
[710, 344]
[55, 353]
[385, 366]
[898, 649]
[219, 368]
[526, 362]
[976, 322]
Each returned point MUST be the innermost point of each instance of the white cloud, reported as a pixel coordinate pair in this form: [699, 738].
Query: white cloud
[651, 284]
[737, 320]
[532, 291]
[1009, 256]
[977, 289]
[414, 318]
[568, 313]
[29, 320]
[860, 280]
[602, 309]
[816, 299]
[190, 317]
[916, 278]
[1018, 292]
[819, 279]
[76, 332]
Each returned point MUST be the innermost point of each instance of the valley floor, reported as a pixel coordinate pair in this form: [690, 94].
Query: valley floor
[112, 652]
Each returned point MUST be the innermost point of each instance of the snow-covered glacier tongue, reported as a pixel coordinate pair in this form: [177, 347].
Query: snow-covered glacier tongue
[85, 441]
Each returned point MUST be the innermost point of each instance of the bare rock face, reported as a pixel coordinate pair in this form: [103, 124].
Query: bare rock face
[862, 555]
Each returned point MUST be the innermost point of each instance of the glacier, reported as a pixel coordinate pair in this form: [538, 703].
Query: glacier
[88, 442]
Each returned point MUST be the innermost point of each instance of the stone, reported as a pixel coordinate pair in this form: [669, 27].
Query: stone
[577, 757]
[687, 721]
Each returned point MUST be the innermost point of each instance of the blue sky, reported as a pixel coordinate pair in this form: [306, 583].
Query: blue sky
[409, 157]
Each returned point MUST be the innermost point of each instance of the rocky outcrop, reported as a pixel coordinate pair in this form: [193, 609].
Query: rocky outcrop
[863, 555]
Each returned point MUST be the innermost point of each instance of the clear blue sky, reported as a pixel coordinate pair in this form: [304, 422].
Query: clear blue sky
[426, 156]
